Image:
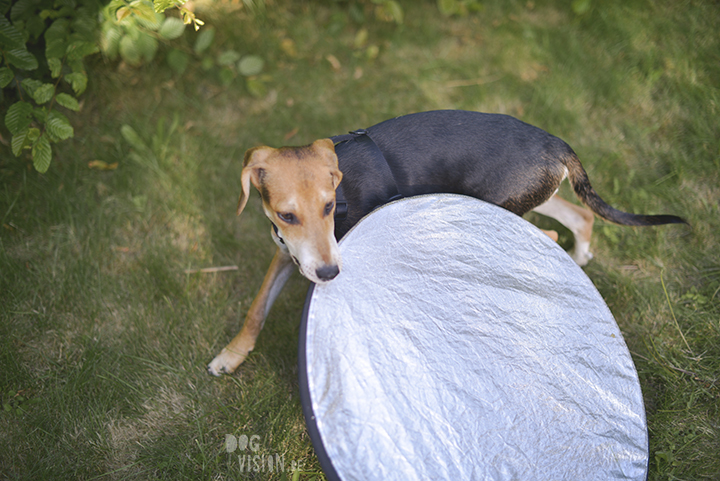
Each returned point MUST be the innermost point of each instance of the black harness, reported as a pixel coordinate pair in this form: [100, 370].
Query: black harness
[277, 233]
[362, 137]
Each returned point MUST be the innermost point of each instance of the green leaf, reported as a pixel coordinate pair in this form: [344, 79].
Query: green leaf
[204, 39]
[6, 76]
[114, 5]
[21, 8]
[59, 29]
[19, 142]
[44, 93]
[133, 138]
[55, 65]
[40, 92]
[18, 117]
[21, 58]
[162, 5]
[40, 114]
[10, 37]
[56, 38]
[146, 15]
[207, 63]
[396, 11]
[85, 23]
[250, 65]
[42, 154]
[77, 80]
[389, 10]
[68, 101]
[172, 28]
[55, 48]
[45, 14]
[79, 49]
[227, 58]
[33, 135]
[135, 49]
[122, 13]
[581, 6]
[76, 65]
[256, 87]
[110, 40]
[59, 126]
[129, 51]
[147, 46]
[178, 60]
[34, 25]
[30, 85]
[448, 7]
[226, 76]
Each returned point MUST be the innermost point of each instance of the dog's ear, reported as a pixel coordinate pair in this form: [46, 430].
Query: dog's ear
[336, 177]
[255, 159]
[326, 148]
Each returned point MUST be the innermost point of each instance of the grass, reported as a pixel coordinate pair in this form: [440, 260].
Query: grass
[104, 339]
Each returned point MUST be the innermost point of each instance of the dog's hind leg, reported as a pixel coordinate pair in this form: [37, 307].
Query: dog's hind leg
[578, 219]
[235, 353]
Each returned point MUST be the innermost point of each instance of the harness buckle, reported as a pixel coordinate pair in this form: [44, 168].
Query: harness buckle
[341, 208]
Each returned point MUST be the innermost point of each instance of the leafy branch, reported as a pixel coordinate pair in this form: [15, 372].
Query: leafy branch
[33, 119]
[43, 44]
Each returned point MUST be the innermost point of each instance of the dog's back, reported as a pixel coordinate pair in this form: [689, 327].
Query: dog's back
[493, 157]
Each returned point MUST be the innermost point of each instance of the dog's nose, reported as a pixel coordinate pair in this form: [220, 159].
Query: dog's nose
[327, 273]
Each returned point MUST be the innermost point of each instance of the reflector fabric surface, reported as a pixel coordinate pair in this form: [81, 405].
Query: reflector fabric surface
[459, 342]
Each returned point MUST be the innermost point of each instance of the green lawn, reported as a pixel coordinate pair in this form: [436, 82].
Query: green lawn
[104, 338]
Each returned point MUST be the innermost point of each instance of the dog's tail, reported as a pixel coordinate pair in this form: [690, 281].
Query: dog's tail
[581, 185]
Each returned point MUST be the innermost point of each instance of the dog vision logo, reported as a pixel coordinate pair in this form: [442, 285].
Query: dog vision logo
[251, 459]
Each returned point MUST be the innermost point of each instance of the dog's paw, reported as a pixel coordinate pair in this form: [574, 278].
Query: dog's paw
[225, 363]
[581, 254]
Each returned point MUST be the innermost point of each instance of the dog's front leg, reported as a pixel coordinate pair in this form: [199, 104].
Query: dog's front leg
[235, 353]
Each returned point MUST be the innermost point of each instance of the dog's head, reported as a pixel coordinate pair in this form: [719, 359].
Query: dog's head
[297, 186]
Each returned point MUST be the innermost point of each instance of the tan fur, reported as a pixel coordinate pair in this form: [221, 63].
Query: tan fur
[578, 219]
[302, 182]
[297, 181]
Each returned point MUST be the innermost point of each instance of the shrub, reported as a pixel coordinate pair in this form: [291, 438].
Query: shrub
[43, 44]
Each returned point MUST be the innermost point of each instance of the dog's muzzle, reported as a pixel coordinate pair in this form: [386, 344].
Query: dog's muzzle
[327, 273]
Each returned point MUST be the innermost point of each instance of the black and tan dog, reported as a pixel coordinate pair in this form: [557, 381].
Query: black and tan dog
[492, 157]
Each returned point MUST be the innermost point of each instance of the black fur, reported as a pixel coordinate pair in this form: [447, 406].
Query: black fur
[493, 157]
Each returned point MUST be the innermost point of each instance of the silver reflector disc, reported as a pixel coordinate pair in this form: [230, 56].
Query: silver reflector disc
[459, 342]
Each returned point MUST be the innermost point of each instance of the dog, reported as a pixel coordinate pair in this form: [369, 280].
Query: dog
[314, 194]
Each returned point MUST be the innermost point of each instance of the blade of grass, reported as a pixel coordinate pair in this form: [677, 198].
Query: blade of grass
[672, 312]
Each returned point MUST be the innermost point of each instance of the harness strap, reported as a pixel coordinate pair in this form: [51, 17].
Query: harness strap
[363, 139]
[277, 233]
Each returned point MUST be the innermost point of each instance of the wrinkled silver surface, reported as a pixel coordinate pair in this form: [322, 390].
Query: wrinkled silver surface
[460, 342]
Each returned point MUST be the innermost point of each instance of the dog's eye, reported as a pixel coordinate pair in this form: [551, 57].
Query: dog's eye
[329, 207]
[287, 217]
